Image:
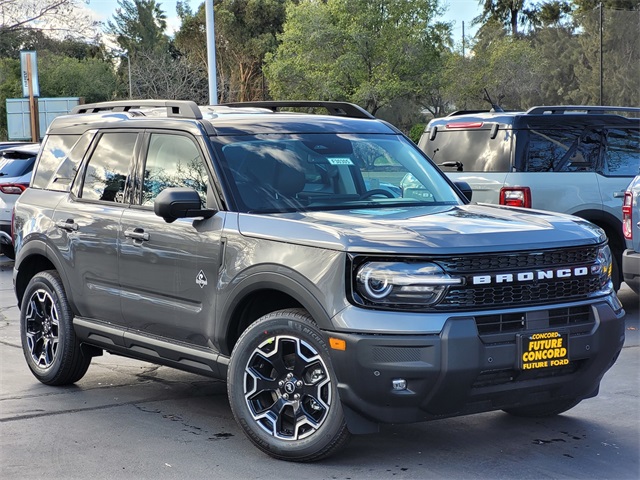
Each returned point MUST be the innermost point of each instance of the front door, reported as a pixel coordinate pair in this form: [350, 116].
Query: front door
[168, 271]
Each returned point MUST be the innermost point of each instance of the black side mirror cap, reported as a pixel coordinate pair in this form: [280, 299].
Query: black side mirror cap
[179, 202]
[465, 189]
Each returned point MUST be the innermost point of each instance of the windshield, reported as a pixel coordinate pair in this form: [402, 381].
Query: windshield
[284, 173]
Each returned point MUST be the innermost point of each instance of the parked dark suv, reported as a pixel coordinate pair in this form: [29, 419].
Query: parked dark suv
[568, 159]
[278, 251]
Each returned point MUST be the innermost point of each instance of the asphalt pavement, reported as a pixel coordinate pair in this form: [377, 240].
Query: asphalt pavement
[133, 420]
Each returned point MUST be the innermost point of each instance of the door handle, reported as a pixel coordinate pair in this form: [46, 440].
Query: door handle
[137, 234]
[69, 225]
[618, 194]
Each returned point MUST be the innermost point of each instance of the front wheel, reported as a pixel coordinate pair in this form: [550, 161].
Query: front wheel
[282, 389]
[548, 409]
[49, 342]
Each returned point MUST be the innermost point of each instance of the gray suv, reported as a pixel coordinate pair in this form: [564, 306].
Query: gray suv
[279, 251]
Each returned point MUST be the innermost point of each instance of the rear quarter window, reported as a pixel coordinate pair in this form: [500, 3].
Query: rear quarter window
[474, 149]
[622, 153]
[59, 160]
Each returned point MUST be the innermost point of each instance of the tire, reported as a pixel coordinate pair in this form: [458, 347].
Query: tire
[283, 391]
[548, 409]
[8, 251]
[49, 343]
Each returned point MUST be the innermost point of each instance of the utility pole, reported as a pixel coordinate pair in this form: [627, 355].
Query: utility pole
[601, 70]
[211, 53]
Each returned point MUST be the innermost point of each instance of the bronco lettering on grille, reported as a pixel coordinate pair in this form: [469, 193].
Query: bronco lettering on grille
[530, 276]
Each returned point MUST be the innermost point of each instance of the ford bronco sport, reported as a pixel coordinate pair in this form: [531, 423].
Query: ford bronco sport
[276, 250]
[568, 159]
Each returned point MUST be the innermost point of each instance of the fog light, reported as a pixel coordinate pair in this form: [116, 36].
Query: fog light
[399, 384]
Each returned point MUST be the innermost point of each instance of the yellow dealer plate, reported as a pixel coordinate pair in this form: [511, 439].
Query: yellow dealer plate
[543, 350]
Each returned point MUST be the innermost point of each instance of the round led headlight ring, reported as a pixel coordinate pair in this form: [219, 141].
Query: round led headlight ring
[376, 288]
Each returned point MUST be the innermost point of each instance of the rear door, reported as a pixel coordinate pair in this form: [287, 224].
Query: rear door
[87, 222]
[559, 166]
[168, 271]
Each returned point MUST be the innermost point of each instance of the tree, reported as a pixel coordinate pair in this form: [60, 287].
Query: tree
[61, 17]
[508, 12]
[63, 76]
[367, 52]
[620, 52]
[509, 68]
[246, 30]
[158, 75]
[139, 25]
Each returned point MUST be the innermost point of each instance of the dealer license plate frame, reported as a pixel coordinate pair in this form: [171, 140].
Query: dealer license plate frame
[524, 346]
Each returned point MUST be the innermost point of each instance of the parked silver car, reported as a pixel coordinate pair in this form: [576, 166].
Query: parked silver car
[16, 166]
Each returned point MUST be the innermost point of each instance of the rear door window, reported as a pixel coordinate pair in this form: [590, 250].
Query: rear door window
[565, 150]
[108, 168]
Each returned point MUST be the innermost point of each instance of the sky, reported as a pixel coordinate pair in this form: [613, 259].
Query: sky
[458, 11]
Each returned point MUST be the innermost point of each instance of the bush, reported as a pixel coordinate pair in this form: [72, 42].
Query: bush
[416, 132]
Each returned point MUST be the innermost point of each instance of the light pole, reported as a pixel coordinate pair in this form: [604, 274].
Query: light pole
[126, 54]
[211, 52]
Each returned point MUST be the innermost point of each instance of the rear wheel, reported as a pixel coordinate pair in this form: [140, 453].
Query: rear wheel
[7, 251]
[548, 409]
[283, 391]
[49, 342]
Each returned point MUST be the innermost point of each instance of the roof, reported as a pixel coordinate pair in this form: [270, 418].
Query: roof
[561, 115]
[229, 119]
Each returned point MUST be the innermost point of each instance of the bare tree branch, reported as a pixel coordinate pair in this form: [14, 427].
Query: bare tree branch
[65, 17]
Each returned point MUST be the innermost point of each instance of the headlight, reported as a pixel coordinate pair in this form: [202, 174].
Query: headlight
[411, 285]
[603, 268]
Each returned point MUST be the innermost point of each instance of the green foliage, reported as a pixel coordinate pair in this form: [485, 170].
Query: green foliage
[139, 25]
[66, 68]
[620, 52]
[62, 76]
[246, 30]
[367, 52]
[416, 132]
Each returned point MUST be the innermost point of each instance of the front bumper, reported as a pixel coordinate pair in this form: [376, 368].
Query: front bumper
[631, 269]
[459, 371]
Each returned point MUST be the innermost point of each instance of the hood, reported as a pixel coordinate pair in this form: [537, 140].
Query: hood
[419, 230]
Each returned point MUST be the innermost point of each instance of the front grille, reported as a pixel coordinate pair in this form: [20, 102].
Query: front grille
[505, 295]
[496, 294]
[503, 377]
[517, 322]
[518, 260]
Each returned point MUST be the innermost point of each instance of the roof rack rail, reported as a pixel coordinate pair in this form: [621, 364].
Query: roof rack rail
[175, 108]
[554, 109]
[343, 109]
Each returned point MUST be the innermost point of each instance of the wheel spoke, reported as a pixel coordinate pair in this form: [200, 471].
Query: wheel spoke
[287, 387]
[33, 339]
[42, 328]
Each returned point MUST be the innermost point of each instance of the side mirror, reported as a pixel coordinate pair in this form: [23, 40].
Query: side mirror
[174, 203]
[465, 189]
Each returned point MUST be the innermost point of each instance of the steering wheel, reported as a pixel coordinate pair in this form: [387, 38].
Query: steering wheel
[376, 191]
